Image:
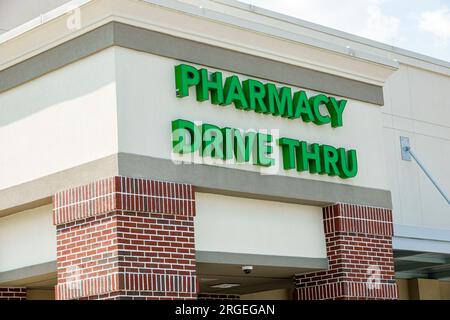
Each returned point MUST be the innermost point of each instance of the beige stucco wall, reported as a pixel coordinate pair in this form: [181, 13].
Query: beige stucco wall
[27, 238]
[40, 294]
[417, 105]
[238, 225]
[423, 289]
[445, 290]
[58, 121]
[403, 290]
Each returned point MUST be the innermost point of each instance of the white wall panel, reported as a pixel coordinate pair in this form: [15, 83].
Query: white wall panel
[61, 120]
[27, 238]
[238, 225]
[418, 106]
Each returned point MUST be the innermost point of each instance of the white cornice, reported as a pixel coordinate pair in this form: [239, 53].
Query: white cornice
[163, 15]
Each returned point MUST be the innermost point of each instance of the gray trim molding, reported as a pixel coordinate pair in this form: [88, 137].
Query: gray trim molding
[419, 232]
[205, 178]
[242, 183]
[39, 192]
[57, 57]
[29, 272]
[260, 260]
[420, 245]
[131, 37]
[421, 239]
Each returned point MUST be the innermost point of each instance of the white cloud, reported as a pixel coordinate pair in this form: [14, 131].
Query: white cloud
[380, 27]
[437, 23]
[361, 17]
[396, 22]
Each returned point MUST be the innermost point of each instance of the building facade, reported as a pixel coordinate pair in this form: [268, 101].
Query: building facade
[210, 149]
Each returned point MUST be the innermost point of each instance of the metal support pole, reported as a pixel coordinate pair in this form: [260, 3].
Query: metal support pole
[406, 150]
[413, 155]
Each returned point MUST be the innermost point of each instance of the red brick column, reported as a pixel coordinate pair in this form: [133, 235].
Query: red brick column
[124, 238]
[359, 249]
[13, 293]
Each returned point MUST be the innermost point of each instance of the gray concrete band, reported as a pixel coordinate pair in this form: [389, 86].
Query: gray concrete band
[28, 274]
[131, 37]
[57, 57]
[260, 260]
[242, 183]
[205, 178]
[39, 192]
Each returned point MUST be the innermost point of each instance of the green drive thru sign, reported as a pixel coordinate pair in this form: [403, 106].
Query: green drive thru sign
[265, 98]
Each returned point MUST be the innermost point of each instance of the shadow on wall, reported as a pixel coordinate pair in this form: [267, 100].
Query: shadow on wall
[68, 83]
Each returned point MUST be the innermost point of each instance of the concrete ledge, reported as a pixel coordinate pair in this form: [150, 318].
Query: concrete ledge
[57, 57]
[260, 260]
[247, 184]
[39, 192]
[29, 274]
[419, 232]
[205, 178]
[421, 239]
[187, 50]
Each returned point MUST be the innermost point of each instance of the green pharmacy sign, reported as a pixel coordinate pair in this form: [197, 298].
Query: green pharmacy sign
[266, 98]
[258, 97]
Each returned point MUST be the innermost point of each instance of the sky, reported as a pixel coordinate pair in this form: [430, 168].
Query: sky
[422, 26]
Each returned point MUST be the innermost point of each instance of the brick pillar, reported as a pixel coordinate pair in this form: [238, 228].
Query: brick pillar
[360, 255]
[13, 293]
[125, 238]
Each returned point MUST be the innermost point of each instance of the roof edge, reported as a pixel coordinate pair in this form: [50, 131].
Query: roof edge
[333, 32]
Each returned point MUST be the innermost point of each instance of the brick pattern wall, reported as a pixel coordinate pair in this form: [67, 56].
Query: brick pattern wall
[13, 294]
[121, 193]
[360, 254]
[218, 296]
[124, 238]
